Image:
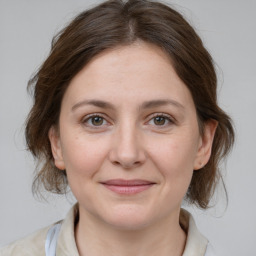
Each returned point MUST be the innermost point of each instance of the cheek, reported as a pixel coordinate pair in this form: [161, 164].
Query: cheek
[83, 156]
[175, 161]
[83, 160]
[175, 153]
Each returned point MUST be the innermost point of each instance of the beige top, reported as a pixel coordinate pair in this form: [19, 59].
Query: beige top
[34, 245]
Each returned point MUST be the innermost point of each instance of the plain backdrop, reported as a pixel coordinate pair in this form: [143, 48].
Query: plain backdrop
[228, 29]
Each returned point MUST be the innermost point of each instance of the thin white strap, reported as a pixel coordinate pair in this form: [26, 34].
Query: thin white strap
[51, 240]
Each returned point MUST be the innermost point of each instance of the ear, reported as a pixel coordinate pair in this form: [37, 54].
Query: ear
[54, 138]
[205, 144]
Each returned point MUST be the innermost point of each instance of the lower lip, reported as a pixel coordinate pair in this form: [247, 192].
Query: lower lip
[128, 190]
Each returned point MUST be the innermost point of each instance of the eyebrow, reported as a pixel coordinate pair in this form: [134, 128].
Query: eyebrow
[96, 103]
[162, 102]
[145, 105]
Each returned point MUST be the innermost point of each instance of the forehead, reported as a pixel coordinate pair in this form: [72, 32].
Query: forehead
[139, 71]
[134, 58]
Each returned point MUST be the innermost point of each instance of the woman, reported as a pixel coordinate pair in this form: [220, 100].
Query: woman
[125, 114]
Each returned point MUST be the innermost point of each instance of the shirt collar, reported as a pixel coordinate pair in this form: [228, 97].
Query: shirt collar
[66, 245]
[196, 243]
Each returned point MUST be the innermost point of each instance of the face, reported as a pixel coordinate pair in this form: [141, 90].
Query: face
[128, 138]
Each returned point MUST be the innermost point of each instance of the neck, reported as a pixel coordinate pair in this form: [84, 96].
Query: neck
[164, 238]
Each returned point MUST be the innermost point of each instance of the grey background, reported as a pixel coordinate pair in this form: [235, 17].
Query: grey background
[228, 28]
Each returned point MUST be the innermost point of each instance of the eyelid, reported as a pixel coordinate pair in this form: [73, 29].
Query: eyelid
[171, 120]
[168, 116]
[84, 119]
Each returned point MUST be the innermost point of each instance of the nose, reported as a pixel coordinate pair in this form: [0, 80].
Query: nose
[127, 148]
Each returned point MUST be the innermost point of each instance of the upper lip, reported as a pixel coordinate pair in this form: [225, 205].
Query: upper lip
[123, 182]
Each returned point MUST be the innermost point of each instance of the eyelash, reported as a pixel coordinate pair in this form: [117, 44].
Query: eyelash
[167, 118]
[90, 118]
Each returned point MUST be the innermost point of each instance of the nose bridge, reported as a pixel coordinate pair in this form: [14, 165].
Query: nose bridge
[127, 149]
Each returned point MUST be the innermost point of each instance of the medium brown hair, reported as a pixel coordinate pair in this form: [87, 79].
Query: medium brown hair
[108, 25]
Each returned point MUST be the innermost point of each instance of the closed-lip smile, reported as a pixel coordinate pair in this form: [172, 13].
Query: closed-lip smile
[127, 187]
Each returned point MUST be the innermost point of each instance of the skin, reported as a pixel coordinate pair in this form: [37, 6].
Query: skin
[129, 136]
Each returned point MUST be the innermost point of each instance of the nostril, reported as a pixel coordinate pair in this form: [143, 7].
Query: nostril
[127, 165]
[116, 163]
[127, 157]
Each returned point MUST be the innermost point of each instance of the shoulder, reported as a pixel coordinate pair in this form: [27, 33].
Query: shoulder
[33, 244]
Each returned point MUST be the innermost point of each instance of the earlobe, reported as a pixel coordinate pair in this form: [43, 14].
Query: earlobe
[56, 148]
[205, 145]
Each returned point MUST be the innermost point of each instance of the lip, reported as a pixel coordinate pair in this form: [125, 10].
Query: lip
[127, 187]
